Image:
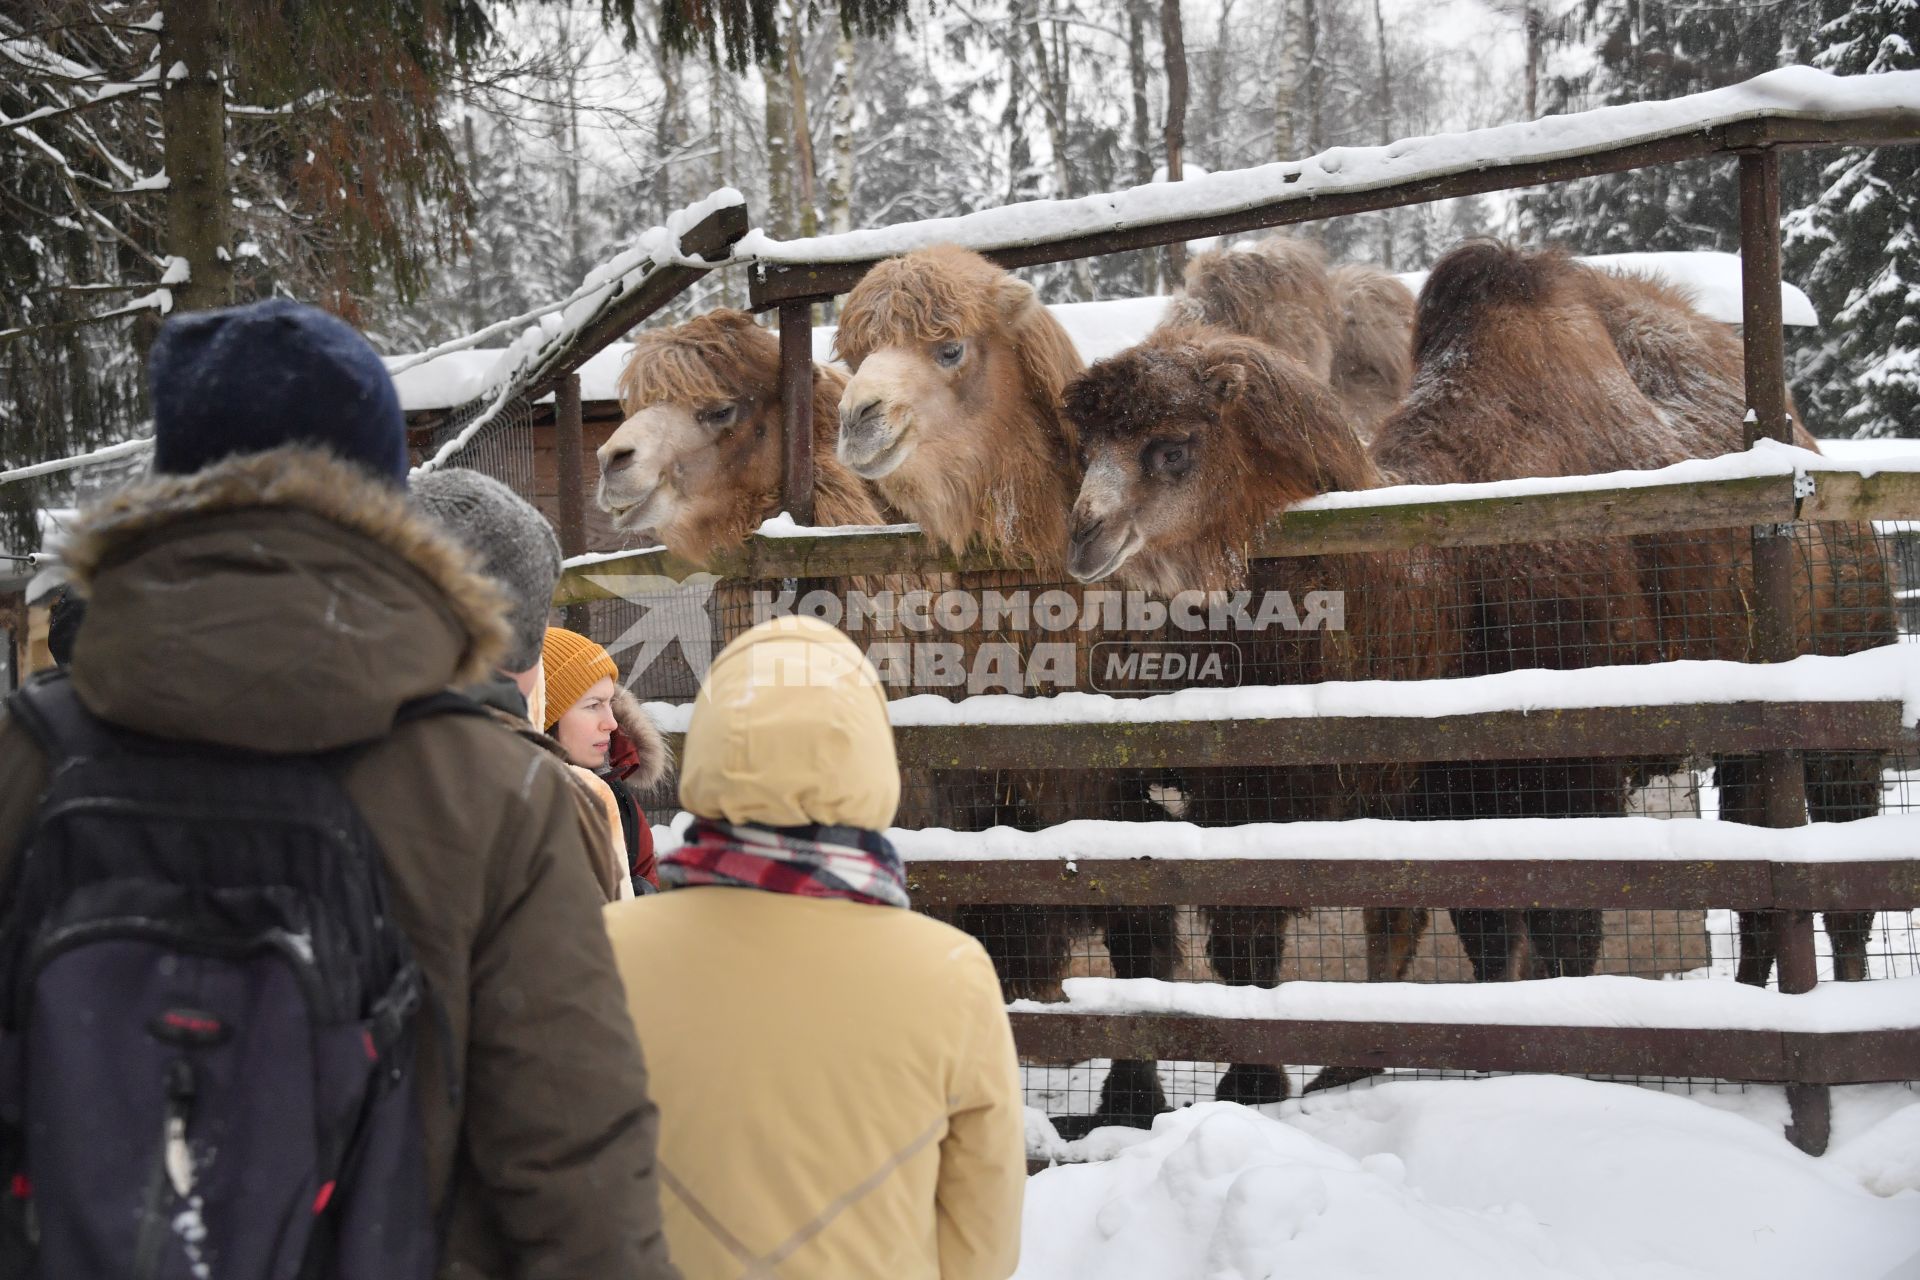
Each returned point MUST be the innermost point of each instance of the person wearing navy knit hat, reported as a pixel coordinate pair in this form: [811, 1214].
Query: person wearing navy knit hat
[247, 379]
[270, 591]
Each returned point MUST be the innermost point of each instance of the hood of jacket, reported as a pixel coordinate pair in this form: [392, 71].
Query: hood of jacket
[791, 728]
[282, 601]
[652, 756]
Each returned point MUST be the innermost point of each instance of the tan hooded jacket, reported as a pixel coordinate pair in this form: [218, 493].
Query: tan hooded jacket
[287, 602]
[838, 1088]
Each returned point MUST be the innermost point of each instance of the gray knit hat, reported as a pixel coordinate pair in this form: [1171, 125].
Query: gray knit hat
[515, 544]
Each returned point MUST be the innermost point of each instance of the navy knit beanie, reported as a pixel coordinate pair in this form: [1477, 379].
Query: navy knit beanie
[243, 380]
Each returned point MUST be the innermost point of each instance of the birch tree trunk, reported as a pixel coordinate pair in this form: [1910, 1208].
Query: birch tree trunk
[1386, 123]
[1289, 69]
[193, 126]
[779, 113]
[1142, 138]
[805, 170]
[840, 189]
[1174, 40]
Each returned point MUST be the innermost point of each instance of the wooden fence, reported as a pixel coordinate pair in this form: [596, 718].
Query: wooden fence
[1807, 1060]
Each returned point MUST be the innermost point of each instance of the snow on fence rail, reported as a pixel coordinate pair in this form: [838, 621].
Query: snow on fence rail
[1769, 484]
[1890, 674]
[1596, 1001]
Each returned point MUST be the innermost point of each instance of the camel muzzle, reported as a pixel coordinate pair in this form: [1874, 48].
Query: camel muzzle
[867, 446]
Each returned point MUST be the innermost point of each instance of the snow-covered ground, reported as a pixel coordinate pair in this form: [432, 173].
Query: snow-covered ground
[1523, 1176]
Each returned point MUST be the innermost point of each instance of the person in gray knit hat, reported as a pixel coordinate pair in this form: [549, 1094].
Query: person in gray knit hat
[517, 548]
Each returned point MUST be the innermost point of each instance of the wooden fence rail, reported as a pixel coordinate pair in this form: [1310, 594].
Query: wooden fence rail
[1404, 520]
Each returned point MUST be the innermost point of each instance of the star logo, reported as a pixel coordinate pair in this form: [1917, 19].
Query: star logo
[672, 611]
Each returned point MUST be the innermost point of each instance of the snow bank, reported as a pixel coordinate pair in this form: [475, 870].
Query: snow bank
[1887, 836]
[1600, 1000]
[1462, 1180]
[1890, 673]
[1791, 92]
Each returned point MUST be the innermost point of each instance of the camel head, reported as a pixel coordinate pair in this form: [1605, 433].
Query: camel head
[1192, 441]
[953, 407]
[697, 462]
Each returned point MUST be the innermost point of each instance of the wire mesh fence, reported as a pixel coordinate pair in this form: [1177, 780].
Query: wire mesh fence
[1304, 620]
[503, 448]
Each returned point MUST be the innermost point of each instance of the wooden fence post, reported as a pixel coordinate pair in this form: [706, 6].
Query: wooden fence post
[796, 390]
[1783, 785]
[570, 470]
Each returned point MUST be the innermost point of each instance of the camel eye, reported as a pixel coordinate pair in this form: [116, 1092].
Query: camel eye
[948, 354]
[717, 416]
[1168, 457]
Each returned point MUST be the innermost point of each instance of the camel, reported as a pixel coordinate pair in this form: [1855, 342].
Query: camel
[1638, 378]
[1194, 440]
[953, 411]
[1197, 438]
[697, 463]
[1351, 326]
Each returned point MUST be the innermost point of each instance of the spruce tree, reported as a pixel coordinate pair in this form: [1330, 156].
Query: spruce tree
[1642, 51]
[1855, 247]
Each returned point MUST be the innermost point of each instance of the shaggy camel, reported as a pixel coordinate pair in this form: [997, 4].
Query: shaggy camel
[698, 464]
[953, 411]
[1351, 326]
[1194, 440]
[1528, 364]
[698, 460]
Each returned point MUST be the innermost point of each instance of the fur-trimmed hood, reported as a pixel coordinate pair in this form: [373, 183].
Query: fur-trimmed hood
[282, 601]
[655, 757]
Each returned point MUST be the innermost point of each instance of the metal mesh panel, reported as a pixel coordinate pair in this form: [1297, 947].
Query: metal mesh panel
[502, 449]
[1676, 596]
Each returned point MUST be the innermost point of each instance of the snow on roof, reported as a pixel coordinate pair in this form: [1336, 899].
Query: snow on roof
[1098, 329]
[1790, 93]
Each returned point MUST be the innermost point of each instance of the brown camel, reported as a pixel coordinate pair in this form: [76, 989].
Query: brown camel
[1529, 364]
[698, 460]
[954, 412]
[1194, 440]
[698, 463]
[1351, 326]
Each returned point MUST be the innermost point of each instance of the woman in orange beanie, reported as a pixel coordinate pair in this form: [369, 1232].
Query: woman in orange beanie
[584, 713]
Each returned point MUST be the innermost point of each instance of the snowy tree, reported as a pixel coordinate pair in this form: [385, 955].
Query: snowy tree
[1641, 50]
[1855, 248]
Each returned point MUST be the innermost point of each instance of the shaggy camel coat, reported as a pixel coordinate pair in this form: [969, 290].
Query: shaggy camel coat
[838, 1088]
[288, 602]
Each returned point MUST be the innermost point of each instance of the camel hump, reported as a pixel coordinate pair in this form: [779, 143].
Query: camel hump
[1476, 277]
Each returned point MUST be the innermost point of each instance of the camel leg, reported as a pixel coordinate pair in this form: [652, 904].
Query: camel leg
[1566, 941]
[1487, 936]
[1030, 947]
[1142, 942]
[1849, 931]
[1393, 937]
[1844, 787]
[1759, 931]
[1244, 947]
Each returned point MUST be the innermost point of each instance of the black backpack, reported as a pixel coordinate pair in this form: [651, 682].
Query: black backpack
[206, 1055]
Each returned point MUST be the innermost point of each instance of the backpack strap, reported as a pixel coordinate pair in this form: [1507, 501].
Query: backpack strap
[49, 709]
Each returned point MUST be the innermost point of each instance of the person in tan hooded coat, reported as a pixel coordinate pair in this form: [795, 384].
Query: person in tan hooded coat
[836, 1074]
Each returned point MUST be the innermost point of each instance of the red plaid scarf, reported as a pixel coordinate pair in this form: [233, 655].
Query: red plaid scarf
[810, 862]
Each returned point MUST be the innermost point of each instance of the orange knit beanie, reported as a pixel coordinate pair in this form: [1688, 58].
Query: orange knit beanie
[574, 664]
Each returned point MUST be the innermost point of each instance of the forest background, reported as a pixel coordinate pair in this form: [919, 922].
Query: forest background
[427, 168]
